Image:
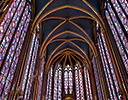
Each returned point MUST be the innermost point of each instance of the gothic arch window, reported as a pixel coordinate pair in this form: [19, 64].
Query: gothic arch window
[97, 78]
[12, 34]
[114, 11]
[120, 12]
[49, 85]
[68, 81]
[111, 78]
[88, 84]
[30, 64]
[79, 83]
[58, 84]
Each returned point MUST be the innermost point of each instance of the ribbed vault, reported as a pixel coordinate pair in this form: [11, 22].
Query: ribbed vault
[67, 30]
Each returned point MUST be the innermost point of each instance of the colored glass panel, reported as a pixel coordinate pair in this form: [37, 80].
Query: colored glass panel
[31, 70]
[110, 62]
[97, 78]
[118, 27]
[15, 40]
[12, 59]
[49, 85]
[86, 83]
[11, 30]
[121, 14]
[66, 80]
[119, 45]
[59, 83]
[55, 85]
[124, 4]
[77, 84]
[70, 81]
[28, 63]
[106, 70]
[81, 86]
[4, 24]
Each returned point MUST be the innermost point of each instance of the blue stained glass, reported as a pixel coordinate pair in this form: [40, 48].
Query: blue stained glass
[49, 85]
[55, 85]
[28, 62]
[59, 83]
[11, 53]
[31, 71]
[110, 63]
[119, 45]
[97, 78]
[121, 14]
[105, 70]
[118, 27]
[11, 29]
[4, 24]
[68, 82]
[79, 84]
[124, 4]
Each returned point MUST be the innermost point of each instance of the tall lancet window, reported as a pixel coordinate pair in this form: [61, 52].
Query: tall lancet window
[79, 83]
[111, 78]
[121, 12]
[58, 84]
[30, 66]
[88, 84]
[68, 81]
[13, 30]
[49, 85]
[97, 79]
[41, 78]
[116, 17]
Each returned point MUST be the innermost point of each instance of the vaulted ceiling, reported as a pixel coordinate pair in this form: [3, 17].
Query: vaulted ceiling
[67, 29]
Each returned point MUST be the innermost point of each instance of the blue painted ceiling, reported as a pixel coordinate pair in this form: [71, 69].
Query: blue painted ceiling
[85, 23]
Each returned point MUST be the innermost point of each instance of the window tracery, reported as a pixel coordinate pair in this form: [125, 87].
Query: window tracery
[109, 70]
[58, 84]
[118, 33]
[68, 82]
[17, 13]
[79, 83]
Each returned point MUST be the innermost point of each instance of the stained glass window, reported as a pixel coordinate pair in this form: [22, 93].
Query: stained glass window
[58, 84]
[117, 38]
[120, 12]
[87, 84]
[124, 4]
[30, 65]
[11, 30]
[40, 79]
[97, 78]
[108, 68]
[49, 85]
[79, 83]
[118, 27]
[9, 15]
[68, 82]
[8, 68]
